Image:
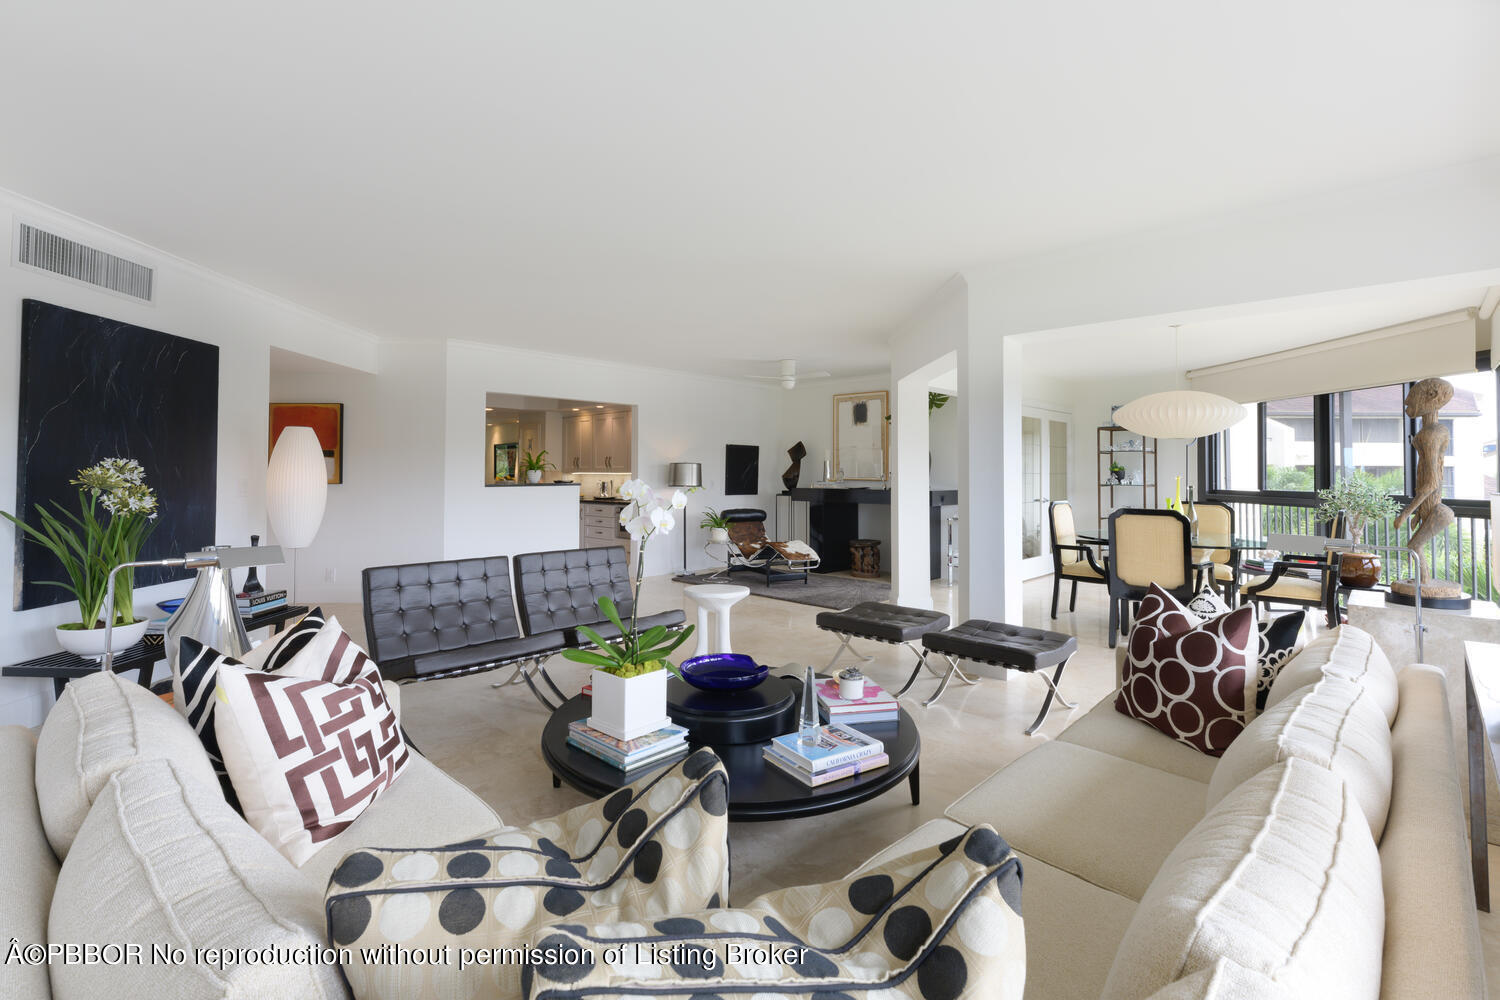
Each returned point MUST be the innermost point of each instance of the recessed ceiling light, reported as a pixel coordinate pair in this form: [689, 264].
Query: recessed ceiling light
[598, 406]
[575, 409]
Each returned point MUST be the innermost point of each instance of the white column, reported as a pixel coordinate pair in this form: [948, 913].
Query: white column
[909, 492]
[989, 400]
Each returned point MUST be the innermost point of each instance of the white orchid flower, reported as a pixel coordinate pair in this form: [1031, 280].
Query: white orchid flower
[661, 518]
[626, 513]
[646, 497]
[631, 489]
[679, 500]
[638, 527]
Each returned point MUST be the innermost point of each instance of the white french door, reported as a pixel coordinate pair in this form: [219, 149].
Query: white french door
[1046, 475]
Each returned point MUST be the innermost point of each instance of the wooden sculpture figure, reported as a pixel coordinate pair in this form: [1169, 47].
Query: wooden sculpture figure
[1427, 511]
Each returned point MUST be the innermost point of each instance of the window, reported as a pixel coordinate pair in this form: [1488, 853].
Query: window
[1304, 443]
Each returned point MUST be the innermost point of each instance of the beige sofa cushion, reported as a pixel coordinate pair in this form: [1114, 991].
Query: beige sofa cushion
[99, 725]
[423, 806]
[1073, 929]
[1432, 946]
[1105, 729]
[29, 873]
[1331, 724]
[1224, 981]
[1107, 820]
[163, 860]
[1281, 877]
[1346, 652]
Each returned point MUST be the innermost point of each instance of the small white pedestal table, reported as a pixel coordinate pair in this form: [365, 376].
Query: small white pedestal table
[717, 598]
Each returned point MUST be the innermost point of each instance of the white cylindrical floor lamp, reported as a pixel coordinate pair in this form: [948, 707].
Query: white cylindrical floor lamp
[296, 490]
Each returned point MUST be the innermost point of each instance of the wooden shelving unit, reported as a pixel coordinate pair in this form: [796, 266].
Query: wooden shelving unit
[1140, 467]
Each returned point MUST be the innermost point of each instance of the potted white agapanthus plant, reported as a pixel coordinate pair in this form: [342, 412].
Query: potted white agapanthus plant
[630, 673]
[116, 512]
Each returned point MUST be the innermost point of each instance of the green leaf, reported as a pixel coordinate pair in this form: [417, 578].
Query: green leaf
[591, 658]
[602, 643]
[607, 605]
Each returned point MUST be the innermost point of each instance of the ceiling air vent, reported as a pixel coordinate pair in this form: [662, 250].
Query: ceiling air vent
[71, 259]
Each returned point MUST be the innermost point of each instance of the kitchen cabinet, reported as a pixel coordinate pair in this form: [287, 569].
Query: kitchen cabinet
[596, 442]
[599, 525]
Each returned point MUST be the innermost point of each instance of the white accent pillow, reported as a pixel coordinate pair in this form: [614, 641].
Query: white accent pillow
[1331, 724]
[309, 748]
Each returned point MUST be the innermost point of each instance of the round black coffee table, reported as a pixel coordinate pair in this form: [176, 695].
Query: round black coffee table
[757, 790]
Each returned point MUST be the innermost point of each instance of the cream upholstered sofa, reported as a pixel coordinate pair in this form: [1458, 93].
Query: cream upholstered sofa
[115, 830]
[1323, 855]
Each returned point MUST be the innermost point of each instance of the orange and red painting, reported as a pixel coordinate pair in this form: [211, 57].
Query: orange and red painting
[326, 420]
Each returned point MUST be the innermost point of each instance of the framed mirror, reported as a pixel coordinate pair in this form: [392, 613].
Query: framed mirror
[861, 435]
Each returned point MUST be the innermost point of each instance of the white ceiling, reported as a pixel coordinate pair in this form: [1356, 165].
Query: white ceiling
[697, 184]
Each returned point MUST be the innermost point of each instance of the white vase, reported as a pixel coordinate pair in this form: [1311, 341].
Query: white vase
[718, 536]
[629, 707]
[90, 641]
[533, 475]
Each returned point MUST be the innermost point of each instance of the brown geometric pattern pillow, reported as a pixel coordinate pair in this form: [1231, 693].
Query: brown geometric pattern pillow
[1187, 677]
[939, 924]
[308, 755]
[652, 849]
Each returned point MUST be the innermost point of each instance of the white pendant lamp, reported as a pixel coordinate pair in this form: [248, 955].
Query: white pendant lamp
[1179, 413]
[296, 487]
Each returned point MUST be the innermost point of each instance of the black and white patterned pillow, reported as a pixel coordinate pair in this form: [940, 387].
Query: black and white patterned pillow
[657, 847]
[942, 923]
[1278, 640]
[197, 674]
[1207, 603]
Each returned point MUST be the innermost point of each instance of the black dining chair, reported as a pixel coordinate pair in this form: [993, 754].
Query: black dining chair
[1146, 546]
[1070, 561]
[1220, 566]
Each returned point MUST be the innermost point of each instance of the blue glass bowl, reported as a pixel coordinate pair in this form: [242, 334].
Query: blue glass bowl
[170, 605]
[723, 672]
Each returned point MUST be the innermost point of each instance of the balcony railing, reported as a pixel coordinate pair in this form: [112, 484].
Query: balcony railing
[1460, 554]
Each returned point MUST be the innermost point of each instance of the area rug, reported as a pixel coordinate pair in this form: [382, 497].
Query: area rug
[820, 591]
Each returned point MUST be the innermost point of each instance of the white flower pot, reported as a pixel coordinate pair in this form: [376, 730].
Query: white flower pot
[533, 475]
[90, 642]
[629, 707]
[718, 536]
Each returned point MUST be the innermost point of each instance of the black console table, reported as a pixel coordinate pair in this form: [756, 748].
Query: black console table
[143, 656]
[833, 522]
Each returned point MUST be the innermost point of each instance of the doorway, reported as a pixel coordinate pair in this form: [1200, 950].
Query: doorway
[1046, 475]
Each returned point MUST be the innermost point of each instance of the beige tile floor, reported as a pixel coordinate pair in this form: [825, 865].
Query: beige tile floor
[487, 737]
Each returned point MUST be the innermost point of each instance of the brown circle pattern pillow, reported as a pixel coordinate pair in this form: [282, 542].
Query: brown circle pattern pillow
[1185, 676]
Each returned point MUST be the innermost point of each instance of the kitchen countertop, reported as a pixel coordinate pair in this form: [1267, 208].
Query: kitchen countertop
[518, 485]
[617, 501]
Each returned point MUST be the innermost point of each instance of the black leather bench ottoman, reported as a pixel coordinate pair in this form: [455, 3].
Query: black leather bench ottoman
[890, 623]
[1014, 647]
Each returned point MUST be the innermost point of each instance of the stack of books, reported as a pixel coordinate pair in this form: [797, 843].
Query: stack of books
[841, 753]
[877, 705]
[260, 602]
[629, 755]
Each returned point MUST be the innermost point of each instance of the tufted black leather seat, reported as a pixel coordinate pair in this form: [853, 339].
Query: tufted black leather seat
[1013, 646]
[443, 618]
[885, 622]
[560, 590]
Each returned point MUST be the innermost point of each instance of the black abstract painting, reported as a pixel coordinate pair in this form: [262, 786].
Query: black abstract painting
[94, 388]
[741, 469]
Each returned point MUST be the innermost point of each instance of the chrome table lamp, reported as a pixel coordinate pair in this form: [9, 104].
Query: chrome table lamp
[208, 613]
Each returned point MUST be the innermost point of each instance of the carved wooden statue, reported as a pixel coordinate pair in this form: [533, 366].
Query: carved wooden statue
[1427, 511]
[797, 452]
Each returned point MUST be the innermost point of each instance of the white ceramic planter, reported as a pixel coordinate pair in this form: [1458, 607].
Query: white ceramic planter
[718, 536]
[533, 475]
[629, 707]
[90, 642]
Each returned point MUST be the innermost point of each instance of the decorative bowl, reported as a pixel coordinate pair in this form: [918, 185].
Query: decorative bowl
[723, 672]
[170, 605]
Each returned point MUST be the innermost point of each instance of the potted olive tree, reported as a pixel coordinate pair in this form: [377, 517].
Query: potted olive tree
[1360, 501]
[630, 673]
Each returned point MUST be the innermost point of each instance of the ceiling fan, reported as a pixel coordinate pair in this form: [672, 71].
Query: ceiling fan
[788, 377]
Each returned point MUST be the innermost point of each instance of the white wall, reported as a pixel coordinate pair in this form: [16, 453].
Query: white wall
[678, 418]
[389, 508]
[190, 302]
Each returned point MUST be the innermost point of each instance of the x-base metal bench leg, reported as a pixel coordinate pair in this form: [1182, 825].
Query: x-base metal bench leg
[844, 643]
[1052, 692]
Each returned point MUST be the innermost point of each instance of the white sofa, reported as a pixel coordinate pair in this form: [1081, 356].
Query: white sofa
[1149, 869]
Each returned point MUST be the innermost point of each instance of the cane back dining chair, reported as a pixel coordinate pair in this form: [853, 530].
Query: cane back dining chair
[1306, 575]
[1070, 561]
[1146, 546]
[1219, 566]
